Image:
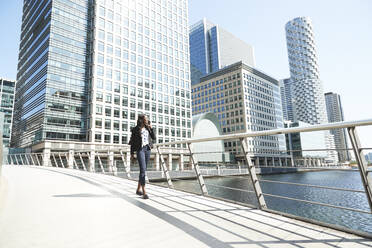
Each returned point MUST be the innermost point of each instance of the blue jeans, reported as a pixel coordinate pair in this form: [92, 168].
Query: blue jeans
[143, 156]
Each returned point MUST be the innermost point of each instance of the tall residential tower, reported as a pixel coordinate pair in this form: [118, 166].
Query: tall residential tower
[307, 91]
[307, 95]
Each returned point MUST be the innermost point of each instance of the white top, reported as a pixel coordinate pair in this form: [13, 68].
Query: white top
[144, 136]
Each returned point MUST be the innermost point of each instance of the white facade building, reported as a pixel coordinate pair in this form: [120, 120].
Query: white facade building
[244, 99]
[140, 65]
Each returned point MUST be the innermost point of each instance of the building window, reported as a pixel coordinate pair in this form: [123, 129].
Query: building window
[108, 111]
[108, 124]
[117, 113]
[98, 137]
[98, 123]
[124, 139]
[124, 126]
[107, 138]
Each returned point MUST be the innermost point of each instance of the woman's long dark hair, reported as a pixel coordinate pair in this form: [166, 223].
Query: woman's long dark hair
[141, 120]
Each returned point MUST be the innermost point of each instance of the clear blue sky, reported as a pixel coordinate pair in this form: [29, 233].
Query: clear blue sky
[343, 36]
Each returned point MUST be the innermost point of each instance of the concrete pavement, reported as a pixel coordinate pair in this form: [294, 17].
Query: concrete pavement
[54, 207]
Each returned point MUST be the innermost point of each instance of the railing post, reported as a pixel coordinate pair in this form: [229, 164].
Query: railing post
[181, 166]
[46, 157]
[129, 162]
[60, 159]
[32, 159]
[110, 160]
[70, 159]
[252, 174]
[157, 165]
[170, 161]
[37, 159]
[16, 159]
[92, 161]
[54, 159]
[28, 162]
[23, 163]
[100, 163]
[126, 167]
[199, 176]
[15, 162]
[82, 161]
[77, 167]
[10, 159]
[164, 167]
[362, 164]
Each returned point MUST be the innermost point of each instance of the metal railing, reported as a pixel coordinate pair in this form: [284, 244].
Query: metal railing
[117, 162]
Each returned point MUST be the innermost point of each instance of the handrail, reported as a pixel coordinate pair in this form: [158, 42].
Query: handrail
[320, 127]
[313, 186]
[319, 203]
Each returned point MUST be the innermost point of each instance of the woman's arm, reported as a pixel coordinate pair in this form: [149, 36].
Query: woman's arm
[152, 133]
[131, 142]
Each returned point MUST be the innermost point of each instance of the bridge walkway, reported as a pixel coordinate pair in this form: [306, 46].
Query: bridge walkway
[55, 207]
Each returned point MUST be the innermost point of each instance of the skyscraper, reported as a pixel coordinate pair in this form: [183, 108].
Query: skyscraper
[212, 48]
[7, 88]
[307, 91]
[336, 114]
[286, 95]
[141, 65]
[88, 68]
[52, 91]
[307, 95]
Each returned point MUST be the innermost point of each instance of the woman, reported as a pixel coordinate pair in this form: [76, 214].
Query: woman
[140, 142]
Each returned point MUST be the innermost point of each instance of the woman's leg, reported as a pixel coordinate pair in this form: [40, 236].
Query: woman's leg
[142, 166]
[147, 153]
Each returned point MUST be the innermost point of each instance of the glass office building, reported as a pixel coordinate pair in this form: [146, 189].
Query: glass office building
[212, 48]
[88, 68]
[7, 88]
[52, 80]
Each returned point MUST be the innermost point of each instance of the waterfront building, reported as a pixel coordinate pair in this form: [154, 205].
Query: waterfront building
[88, 68]
[307, 95]
[212, 48]
[244, 99]
[7, 88]
[335, 114]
